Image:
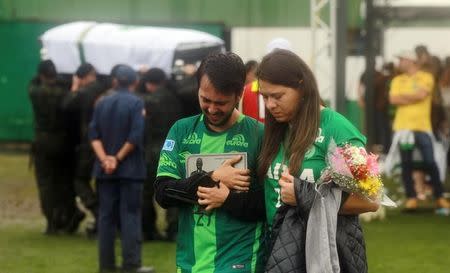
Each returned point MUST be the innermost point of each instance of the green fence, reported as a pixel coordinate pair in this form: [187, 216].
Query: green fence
[19, 51]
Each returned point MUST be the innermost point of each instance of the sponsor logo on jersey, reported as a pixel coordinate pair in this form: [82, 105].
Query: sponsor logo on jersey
[165, 161]
[169, 144]
[192, 139]
[183, 156]
[237, 140]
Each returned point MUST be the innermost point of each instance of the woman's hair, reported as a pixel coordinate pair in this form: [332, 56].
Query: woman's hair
[282, 67]
[250, 65]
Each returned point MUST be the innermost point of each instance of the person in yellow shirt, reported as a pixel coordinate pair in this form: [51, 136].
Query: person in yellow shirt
[411, 92]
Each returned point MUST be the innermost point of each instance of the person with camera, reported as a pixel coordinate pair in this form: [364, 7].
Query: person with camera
[221, 212]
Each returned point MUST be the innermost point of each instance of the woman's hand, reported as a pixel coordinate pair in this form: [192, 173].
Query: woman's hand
[212, 197]
[287, 192]
[357, 204]
[233, 178]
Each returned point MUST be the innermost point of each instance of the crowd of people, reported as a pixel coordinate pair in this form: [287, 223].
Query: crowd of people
[412, 125]
[62, 153]
[130, 132]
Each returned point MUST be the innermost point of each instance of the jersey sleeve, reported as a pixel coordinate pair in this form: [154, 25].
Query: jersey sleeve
[256, 184]
[169, 164]
[343, 132]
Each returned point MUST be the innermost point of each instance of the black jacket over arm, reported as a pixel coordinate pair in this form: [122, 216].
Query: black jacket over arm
[245, 206]
[287, 244]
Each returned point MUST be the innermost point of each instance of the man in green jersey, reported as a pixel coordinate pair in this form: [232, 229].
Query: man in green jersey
[226, 236]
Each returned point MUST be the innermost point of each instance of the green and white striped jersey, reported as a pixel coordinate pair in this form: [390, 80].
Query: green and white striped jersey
[214, 242]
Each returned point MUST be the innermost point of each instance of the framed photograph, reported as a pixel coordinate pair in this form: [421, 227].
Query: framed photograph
[209, 162]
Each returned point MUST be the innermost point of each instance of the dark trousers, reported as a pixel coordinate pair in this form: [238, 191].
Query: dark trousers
[383, 131]
[148, 208]
[119, 199]
[85, 159]
[56, 193]
[423, 143]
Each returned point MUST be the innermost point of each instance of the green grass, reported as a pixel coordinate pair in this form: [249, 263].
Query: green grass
[26, 250]
[403, 243]
[409, 243]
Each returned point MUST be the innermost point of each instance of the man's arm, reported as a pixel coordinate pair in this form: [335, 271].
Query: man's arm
[125, 150]
[243, 203]
[97, 146]
[170, 191]
[246, 206]
[109, 163]
[409, 98]
[397, 95]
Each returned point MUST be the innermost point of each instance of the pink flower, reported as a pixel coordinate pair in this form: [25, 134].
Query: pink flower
[372, 164]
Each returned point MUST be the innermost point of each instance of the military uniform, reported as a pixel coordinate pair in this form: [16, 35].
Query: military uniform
[52, 158]
[81, 103]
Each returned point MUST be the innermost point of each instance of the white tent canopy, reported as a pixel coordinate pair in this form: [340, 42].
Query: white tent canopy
[413, 3]
[105, 45]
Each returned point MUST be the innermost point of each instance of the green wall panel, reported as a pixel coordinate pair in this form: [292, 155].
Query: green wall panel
[231, 12]
[19, 51]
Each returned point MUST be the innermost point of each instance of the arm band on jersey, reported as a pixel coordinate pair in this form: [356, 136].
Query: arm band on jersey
[246, 206]
[171, 192]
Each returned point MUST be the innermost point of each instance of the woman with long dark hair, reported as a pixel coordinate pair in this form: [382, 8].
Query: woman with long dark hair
[298, 131]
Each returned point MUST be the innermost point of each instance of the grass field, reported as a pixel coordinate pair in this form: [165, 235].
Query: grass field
[403, 243]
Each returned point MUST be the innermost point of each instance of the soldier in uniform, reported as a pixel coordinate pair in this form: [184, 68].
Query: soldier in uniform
[80, 102]
[162, 110]
[51, 152]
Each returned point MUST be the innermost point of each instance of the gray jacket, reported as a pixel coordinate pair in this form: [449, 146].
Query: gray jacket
[287, 247]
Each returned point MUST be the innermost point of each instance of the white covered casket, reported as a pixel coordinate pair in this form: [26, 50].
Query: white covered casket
[105, 45]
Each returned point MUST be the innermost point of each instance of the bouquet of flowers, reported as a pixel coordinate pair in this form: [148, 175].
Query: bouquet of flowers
[355, 171]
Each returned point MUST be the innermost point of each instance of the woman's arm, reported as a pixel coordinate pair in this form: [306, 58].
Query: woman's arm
[356, 204]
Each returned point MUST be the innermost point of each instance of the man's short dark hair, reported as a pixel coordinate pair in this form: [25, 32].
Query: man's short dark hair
[125, 75]
[155, 76]
[226, 72]
[47, 69]
[84, 70]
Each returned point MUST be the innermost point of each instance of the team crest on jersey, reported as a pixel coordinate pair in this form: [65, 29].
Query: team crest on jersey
[238, 266]
[192, 139]
[237, 140]
[169, 144]
[311, 151]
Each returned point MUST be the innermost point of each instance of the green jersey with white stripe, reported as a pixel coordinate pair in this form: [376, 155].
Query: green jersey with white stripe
[332, 126]
[214, 242]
